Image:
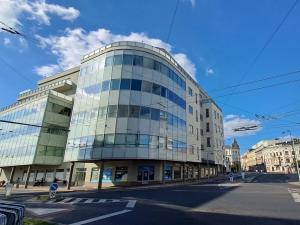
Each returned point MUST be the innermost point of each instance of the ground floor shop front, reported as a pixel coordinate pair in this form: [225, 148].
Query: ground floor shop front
[113, 173]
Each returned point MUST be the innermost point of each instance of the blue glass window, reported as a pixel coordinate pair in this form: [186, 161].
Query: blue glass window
[115, 84]
[155, 115]
[138, 60]
[156, 89]
[118, 60]
[105, 85]
[109, 61]
[136, 85]
[145, 112]
[163, 91]
[148, 63]
[128, 59]
[144, 140]
[125, 84]
[156, 66]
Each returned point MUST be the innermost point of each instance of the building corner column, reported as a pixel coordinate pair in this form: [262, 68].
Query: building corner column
[70, 175]
[27, 176]
[12, 173]
[100, 176]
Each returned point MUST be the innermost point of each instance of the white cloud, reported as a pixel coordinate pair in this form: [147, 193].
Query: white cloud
[70, 47]
[6, 41]
[11, 11]
[47, 70]
[210, 71]
[234, 121]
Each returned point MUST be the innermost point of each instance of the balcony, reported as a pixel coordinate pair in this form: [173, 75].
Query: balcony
[59, 86]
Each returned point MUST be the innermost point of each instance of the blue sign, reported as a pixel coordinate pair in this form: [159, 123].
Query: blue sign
[53, 187]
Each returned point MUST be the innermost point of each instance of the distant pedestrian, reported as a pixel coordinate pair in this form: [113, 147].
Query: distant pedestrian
[231, 177]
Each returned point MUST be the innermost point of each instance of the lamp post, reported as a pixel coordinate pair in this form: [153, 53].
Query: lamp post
[295, 153]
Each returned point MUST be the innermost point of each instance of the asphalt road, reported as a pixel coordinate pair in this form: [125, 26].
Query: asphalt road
[267, 200]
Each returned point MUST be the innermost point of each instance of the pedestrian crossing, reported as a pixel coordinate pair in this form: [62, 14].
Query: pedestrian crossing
[295, 193]
[69, 200]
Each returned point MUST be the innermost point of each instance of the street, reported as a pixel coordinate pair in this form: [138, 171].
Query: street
[267, 199]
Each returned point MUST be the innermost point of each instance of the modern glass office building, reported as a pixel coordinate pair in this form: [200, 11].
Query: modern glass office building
[130, 112]
[137, 117]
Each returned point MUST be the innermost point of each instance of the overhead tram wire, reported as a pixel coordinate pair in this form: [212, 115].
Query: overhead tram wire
[268, 41]
[271, 77]
[172, 21]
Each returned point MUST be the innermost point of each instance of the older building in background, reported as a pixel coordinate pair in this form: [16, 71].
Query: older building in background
[137, 117]
[274, 156]
[233, 157]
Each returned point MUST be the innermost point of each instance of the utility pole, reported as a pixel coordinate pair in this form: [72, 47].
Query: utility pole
[295, 154]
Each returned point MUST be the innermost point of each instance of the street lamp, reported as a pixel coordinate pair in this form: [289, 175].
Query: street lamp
[295, 153]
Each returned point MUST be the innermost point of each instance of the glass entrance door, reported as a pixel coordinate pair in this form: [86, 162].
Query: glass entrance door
[145, 178]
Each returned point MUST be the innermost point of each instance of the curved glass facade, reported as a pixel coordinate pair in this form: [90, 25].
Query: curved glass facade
[128, 104]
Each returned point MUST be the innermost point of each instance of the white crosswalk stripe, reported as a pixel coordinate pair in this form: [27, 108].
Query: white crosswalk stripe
[295, 193]
[130, 203]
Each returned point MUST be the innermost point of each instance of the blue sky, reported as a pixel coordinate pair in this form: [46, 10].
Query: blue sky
[215, 40]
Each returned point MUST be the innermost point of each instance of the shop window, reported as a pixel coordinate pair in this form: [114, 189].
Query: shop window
[168, 172]
[121, 174]
[95, 175]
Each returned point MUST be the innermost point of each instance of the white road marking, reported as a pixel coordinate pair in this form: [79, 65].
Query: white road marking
[101, 217]
[64, 200]
[90, 200]
[44, 211]
[131, 203]
[76, 200]
[295, 193]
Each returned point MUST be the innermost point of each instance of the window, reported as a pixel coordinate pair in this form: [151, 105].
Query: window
[208, 142]
[125, 84]
[138, 60]
[201, 117]
[134, 111]
[118, 60]
[105, 85]
[112, 111]
[128, 59]
[136, 85]
[131, 139]
[147, 86]
[143, 140]
[192, 150]
[196, 115]
[145, 112]
[191, 129]
[190, 91]
[155, 115]
[196, 98]
[120, 139]
[207, 127]
[123, 111]
[109, 61]
[197, 133]
[156, 66]
[102, 112]
[163, 92]
[156, 89]
[121, 174]
[207, 113]
[201, 132]
[202, 147]
[215, 114]
[148, 63]
[109, 139]
[115, 84]
[190, 109]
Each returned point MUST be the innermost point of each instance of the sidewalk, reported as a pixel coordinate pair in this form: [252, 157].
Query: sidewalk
[45, 189]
